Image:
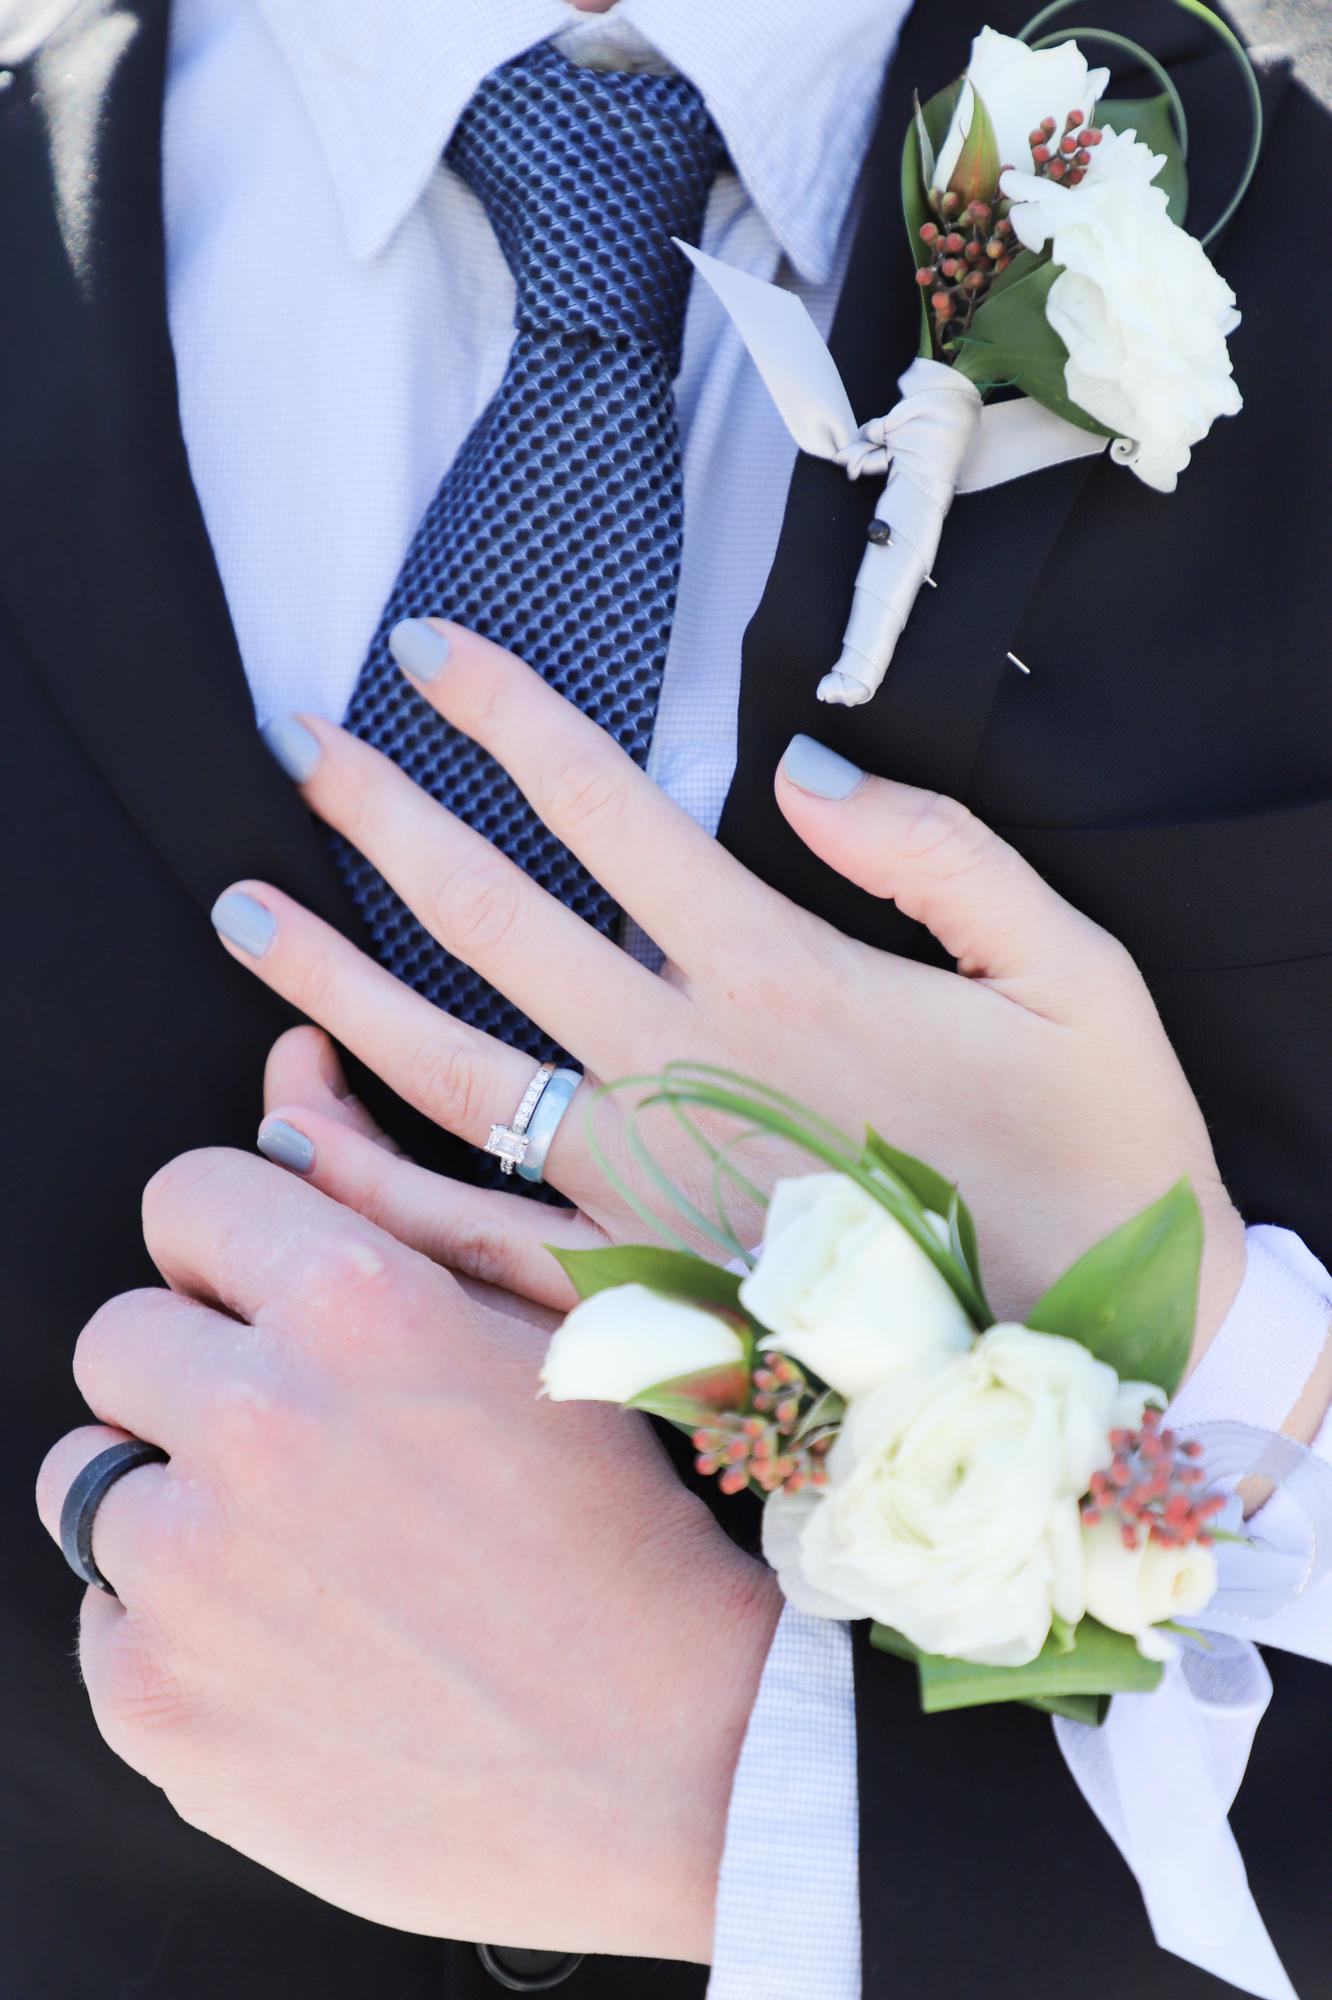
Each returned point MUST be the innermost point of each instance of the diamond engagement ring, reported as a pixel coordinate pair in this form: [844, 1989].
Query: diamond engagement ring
[524, 1142]
[509, 1142]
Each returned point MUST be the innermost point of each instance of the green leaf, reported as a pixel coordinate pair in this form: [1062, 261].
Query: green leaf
[1133, 1299]
[1021, 265]
[1011, 340]
[933, 1192]
[1089, 1708]
[674, 1273]
[976, 175]
[1150, 118]
[690, 1400]
[912, 1184]
[924, 142]
[886, 1640]
[1064, 1635]
[824, 1413]
[1101, 1662]
[928, 1186]
[928, 129]
[962, 1236]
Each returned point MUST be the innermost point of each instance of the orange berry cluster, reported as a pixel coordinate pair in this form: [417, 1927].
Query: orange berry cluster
[968, 246]
[1067, 159]
[770, 1445]
[1151, 1488]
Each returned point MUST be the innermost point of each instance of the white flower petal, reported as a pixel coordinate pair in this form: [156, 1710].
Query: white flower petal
[951, 1510]
[622, 1341]
[1142, 312]
[844, 1290]
[1019, 87]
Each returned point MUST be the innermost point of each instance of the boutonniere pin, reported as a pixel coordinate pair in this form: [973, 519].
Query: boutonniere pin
[1065, 310]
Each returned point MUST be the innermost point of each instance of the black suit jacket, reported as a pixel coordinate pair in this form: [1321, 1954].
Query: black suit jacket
[1168, 765]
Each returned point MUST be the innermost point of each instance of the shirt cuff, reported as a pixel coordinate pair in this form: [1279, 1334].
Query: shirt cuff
[1257, 1366]
[788, 1896]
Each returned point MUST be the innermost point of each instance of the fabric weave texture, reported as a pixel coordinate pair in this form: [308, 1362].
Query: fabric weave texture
[557, 529]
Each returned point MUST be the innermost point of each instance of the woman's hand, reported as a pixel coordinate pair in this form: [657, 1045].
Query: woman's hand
[1037, 1075]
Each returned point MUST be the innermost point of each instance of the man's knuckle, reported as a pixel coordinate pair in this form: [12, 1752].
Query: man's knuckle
[139, 1695]
[105, 1331]
[253, 1423]
[184, 1179]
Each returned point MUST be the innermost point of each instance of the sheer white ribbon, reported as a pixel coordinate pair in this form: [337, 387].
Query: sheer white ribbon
[1199, 1723]
[936, 441]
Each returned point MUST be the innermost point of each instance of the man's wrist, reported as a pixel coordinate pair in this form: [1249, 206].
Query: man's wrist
[707, 1686]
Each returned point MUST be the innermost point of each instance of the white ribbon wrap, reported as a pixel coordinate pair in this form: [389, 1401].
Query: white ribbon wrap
[938, 440]
[1198, 1725]
[922, 446]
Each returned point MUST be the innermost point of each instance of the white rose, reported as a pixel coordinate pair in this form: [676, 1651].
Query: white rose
[1018, 87]
[952, 1506]
[624, 1340]
[1132, 1590]
[842, 1287]
[1141, 310]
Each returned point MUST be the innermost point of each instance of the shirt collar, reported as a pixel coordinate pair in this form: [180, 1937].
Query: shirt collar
[792, 84]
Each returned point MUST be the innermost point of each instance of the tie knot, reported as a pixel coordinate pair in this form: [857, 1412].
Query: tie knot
[586, 175]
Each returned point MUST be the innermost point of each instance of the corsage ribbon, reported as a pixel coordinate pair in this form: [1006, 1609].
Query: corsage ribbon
[1199, 1723]
[938, 440]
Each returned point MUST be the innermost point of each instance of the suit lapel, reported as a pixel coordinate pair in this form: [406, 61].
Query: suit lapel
[926, 724]
[106, 572]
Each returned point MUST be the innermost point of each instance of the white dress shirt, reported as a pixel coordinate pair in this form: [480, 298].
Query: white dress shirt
[341, 314]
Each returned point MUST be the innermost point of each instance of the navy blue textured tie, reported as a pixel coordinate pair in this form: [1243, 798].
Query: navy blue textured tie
[557, 529]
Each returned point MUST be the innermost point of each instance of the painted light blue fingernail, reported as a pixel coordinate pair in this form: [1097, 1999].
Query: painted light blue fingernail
[244, 923]
[820, 771]
[285, 1146]
[295, 748]
[418, 648]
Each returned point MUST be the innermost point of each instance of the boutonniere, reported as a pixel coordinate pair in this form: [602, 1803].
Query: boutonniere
[1065, 310]
[1006, 1503]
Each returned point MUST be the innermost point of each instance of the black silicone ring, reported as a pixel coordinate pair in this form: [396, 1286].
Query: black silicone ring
[79, 1513]
[507, 1972]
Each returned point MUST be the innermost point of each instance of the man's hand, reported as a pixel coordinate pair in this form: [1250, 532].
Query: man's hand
[453, 1658]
